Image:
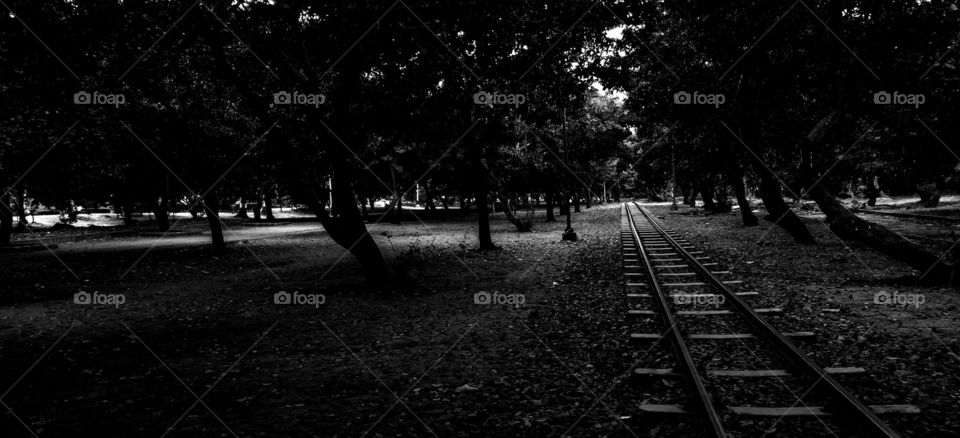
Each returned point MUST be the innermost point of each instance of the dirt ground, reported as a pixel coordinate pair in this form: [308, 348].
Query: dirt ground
[199, 345]
[195, 324]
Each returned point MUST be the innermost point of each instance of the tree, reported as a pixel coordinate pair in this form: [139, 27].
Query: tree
[813, 77]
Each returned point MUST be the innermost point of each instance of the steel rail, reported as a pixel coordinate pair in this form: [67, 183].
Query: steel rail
[699, 396]
[843, 400]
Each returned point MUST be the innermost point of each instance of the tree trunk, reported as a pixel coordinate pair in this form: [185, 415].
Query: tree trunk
[19, 200]
[242, 211]
[268, 204]
[850, 227]
[398, 211]
[735, 179]
[347, 228]
[689, 193]
[769, 189]
[211, 206]
[483, 214]
[508, 211]
[429, 205]
[482, 188]
[549, 201]
[589, 198]
[127, 213]
[6, 219]
[159, 207]
[873, 190]
[395, 209]
[706, 192]
[929, 195]
[777, 210]
[720, 199]
[256, 210]
[324, 198]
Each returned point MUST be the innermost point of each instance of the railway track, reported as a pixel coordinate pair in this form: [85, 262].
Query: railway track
[672, 283]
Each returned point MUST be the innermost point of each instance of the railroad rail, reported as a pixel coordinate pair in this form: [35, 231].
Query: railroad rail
[659, 266]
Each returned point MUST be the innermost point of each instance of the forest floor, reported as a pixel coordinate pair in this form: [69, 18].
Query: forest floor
[198, 345]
